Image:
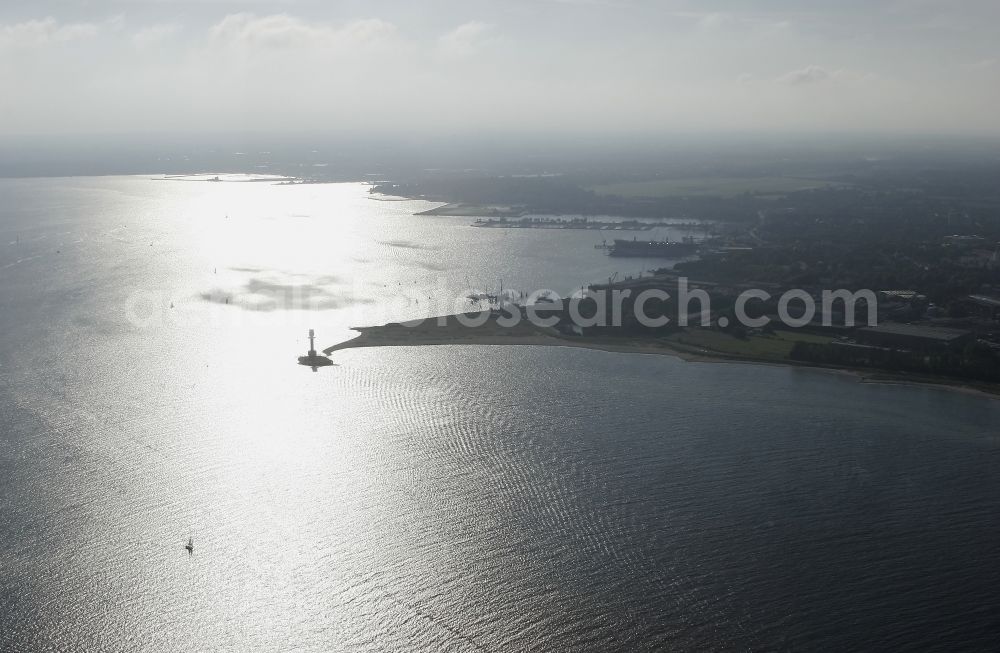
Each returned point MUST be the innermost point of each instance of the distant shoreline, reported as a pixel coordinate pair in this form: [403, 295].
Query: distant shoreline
[429, 333]
[466, 210]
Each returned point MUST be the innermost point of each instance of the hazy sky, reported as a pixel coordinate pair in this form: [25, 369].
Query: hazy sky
[528, 65]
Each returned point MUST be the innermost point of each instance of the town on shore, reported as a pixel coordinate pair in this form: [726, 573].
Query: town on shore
[924, 242]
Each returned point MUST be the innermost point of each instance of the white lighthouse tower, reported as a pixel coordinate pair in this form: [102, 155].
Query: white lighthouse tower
[313, 359]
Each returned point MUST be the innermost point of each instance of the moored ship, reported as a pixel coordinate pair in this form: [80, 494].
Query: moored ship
[656, 248]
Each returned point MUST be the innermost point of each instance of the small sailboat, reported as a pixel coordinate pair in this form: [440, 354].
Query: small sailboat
[190, 545]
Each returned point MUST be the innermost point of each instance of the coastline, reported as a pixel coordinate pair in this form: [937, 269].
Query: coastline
[467, 210]
[490, 334]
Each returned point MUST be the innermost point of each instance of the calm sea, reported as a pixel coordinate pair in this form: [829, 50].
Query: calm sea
[439, 498]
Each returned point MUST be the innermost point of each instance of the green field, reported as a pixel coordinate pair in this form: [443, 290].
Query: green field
[774, 347]
[711, 186]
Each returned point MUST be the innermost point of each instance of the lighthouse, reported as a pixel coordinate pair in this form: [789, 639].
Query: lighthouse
[314, 360]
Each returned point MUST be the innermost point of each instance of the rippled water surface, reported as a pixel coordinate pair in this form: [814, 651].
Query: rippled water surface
[439, 498]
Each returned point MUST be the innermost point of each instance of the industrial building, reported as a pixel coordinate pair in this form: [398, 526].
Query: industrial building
[983, 306]
[912, 336]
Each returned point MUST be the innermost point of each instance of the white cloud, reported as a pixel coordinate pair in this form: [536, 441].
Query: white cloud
[116, 23]
[718, 20]
[807, 75]
[44, 31]
[284, 31]
[465, 39]
[656, 64]
[715, 20]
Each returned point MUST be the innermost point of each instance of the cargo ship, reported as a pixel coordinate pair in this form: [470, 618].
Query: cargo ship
[653, 248]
